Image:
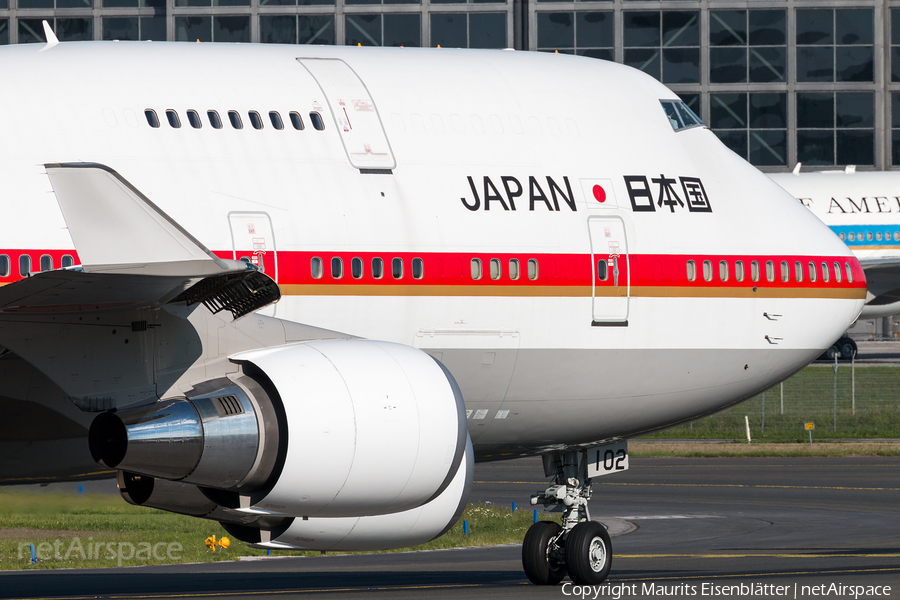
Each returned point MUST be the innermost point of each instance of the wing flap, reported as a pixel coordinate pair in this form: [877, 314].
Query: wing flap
[133, 255]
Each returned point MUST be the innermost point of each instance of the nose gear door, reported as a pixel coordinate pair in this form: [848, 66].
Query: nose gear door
[611, 283]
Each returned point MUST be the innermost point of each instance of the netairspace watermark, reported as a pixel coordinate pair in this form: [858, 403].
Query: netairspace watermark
[119, 552]
[617, 591]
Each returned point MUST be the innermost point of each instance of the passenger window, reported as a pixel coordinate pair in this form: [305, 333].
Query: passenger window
[868, 236]
[356, 268]
[214, 119]
[754, 271]
[316, 120]
[418, 268]
[475, 268]
[837, 272]
[770, 270]
[691, 270]
[897, 236]
[24, 265]
[602, 270]
[849, 272]
[785, 271]
[495, 268]
[315, 267]
[877, 236]
[296, 121]
[275, 118]
[397, 268]
[337, 268]
[851, 236]
[812, 272]
[707, 270]
[723, 270]
[798, 271]
[739, 270]
[255, 119]
[194, 119]
[532, 269]
[152, 119]
[842, 236]
[4, 265]
[826, 277]
[377, 268]
[174, 121]
[46, 262]
[235, 119]
[513, 268]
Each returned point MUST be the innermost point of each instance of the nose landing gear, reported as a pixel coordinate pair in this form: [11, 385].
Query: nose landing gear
[580, 546]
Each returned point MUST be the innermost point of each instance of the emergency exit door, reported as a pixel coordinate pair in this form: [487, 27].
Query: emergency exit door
[609, 257]
[355, 114]
[253, 241]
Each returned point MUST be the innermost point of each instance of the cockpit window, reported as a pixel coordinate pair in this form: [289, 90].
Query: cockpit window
[679, 115]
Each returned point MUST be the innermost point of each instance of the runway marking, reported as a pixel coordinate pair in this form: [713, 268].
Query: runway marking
[776, 574]
[762, 555]
[722, 485]
[272, 592]
[756, 485]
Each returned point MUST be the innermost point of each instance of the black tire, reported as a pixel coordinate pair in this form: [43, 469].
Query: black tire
[832, 352]
[540, 567]
[848, 348]
[588, 553]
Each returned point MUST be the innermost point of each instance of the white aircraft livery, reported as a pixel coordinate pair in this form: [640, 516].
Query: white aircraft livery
[301, 290]
[863, 209]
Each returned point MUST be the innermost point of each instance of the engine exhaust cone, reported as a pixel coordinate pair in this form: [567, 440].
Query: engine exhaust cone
[164, 439]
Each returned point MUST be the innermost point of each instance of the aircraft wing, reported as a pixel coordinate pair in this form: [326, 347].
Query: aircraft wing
[133, 255]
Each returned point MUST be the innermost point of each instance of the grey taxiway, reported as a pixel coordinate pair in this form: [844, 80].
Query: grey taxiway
[681, 527]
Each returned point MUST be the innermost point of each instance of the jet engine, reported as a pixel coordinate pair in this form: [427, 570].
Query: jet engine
[333, 428]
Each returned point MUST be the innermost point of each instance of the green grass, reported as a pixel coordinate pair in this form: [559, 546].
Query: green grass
[67, 519]
[809, 396]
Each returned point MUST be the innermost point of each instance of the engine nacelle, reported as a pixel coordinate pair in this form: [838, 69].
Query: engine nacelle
[335, 428]
[187, 499]
[382, 532]
[375, 427]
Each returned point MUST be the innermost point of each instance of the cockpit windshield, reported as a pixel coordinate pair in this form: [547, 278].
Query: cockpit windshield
[680, 116]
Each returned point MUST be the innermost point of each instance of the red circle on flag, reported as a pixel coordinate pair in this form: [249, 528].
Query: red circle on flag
[599, 193]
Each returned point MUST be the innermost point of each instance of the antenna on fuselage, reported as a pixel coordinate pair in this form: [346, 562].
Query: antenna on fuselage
[52, 40]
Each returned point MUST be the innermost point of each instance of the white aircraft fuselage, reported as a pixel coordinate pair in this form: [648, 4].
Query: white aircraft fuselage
[470, 155]
[583, 257]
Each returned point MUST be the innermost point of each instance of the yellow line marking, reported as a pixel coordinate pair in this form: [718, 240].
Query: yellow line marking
[761, 555]
[721, 485]
[281, 592]
[776, 574]
[753, 485]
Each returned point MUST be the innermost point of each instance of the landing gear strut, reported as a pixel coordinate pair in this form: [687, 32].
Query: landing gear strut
[580, 546]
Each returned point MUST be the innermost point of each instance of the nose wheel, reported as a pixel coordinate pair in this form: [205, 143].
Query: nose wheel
[542, 556]
[588, 553]
[579, 547]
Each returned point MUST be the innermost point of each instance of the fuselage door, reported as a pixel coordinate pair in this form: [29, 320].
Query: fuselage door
[609, 257]
[354, 111]
[253, 241]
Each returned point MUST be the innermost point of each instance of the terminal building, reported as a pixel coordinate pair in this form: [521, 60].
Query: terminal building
[780, 82]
